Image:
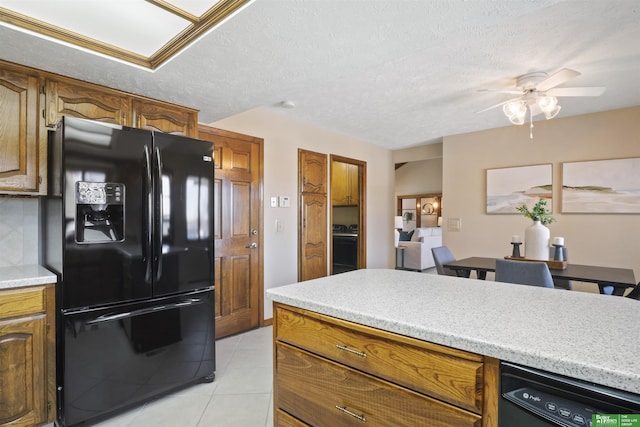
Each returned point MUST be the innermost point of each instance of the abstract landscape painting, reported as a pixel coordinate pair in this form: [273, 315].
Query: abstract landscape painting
[508, 188]
[601, 186]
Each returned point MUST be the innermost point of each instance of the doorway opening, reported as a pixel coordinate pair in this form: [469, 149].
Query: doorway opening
[348, 214]
[420, 210]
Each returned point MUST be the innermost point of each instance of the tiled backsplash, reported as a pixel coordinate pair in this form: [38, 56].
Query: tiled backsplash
[18, 231]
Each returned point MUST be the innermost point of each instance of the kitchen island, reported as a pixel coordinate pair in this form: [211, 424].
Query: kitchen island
[590, 337]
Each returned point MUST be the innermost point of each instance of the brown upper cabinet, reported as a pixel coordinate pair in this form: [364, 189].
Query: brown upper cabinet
[165, 118]
[77, 99]
[344, 184]
[19, 131]
[32, 100]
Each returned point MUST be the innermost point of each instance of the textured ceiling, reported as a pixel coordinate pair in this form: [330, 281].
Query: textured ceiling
[394, 73]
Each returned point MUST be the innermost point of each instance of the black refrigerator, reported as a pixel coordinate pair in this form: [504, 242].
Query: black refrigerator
[127, 226]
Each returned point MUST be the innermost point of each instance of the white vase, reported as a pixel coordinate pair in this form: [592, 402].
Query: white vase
[536, 241]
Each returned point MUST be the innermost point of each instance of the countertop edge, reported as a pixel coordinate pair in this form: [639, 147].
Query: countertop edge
[22, 276]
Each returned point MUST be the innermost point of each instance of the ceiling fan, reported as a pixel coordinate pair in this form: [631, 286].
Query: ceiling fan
[538, 93]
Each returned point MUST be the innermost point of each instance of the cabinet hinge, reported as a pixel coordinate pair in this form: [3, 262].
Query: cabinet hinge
[42, 90]
[48, 407]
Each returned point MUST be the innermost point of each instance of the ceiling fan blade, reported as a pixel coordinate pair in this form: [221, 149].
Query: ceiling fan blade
[498, 105]
[511, 91]
[556, 79]
[576, 91]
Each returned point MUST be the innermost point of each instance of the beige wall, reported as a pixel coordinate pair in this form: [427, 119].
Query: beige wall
[598, 239]
[282, 138]
[419, 177]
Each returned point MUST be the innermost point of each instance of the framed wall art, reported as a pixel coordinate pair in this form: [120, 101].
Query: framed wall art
[508, 188]
[601, 186]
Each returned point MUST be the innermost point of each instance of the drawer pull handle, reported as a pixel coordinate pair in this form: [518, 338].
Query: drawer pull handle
[356, 352]
[344, 409]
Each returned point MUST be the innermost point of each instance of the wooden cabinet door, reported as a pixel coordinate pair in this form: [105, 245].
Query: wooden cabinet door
[354, 186]
[22, 371]
[165, 118]
[86, 102]
[344, 184]
[312, 237]
[19, 138]
[339, 184]
[312, 169]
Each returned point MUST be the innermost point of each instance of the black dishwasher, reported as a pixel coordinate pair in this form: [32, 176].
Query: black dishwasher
[534, 398]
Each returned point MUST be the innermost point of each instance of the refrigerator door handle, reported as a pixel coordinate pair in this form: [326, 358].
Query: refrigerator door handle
[129, 314]
[159, 220]
[149, 217]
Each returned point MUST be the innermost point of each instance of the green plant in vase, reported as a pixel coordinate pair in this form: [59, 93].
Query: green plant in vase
[536, 236]
[539, 212]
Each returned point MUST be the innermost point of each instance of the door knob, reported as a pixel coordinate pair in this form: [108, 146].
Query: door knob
[252, 246]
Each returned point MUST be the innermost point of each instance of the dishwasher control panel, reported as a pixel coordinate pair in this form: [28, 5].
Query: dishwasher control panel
[563, 412]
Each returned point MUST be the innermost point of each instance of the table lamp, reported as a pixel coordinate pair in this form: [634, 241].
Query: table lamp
[397, 225]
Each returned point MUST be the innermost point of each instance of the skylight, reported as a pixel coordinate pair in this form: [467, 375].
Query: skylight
[145, 33]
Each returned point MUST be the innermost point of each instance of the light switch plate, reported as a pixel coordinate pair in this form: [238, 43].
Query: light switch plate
[274, 202]
[454, 224]
[285, 202]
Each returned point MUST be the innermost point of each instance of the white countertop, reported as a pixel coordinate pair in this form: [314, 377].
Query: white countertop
[25, 275]
[587, 336]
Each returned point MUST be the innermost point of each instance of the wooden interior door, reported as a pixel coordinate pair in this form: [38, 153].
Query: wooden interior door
[312, 239]
[238, 230]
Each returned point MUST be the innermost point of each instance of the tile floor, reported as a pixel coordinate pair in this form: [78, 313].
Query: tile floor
[240, 396]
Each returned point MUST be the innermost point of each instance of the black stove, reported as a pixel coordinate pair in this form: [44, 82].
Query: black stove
[341, 230]
[345, 247]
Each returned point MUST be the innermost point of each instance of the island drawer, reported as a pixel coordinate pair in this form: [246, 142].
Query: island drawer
[322, 392]
[447, 374]
[283, 419]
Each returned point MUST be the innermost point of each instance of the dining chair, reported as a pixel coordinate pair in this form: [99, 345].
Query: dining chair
[523, 273]
[441, 256]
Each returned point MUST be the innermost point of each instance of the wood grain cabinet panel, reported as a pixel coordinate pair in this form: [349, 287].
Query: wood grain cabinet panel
[165, 118]
[25, 349]
[312, 172]
[344, 184]
[329, 371]
[335, 395]
[85, 101]
[19, 138]
[450, 375]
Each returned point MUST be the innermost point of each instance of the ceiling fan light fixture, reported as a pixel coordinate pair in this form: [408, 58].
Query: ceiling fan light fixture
[551, 114]
[515, 111]
[547, 103]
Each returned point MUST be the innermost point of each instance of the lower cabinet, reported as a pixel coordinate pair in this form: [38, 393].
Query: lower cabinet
[330, 372]
[27, 374]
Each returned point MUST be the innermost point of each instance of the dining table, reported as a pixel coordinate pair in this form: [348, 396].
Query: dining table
[620, 278]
